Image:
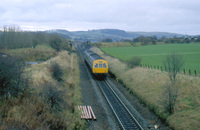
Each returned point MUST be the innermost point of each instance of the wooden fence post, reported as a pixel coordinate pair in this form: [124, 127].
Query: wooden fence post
[195, 72]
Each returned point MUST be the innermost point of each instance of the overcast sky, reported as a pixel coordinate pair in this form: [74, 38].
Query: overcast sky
[178, 16]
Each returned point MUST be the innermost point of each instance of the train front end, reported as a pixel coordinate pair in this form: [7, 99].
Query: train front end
[100, 68]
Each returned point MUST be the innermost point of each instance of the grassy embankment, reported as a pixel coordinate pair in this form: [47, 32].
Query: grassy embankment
[148, 86]
[49, 103]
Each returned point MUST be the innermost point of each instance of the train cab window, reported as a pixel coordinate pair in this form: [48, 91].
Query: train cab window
[100, 65]
[95, 65]
[104, 65]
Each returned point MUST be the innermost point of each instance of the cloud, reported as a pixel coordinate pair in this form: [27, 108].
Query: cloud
[179, 16]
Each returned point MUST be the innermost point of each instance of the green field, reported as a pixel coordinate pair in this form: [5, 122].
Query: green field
[155, 54]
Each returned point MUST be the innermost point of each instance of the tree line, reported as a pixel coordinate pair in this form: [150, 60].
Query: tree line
[12, 37]
[152, 40]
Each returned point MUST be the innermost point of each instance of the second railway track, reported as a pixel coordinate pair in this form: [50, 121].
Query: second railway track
[124, 116]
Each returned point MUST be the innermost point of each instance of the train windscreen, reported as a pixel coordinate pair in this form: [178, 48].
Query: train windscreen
[100, 65]
[104, 65]
[95, 65]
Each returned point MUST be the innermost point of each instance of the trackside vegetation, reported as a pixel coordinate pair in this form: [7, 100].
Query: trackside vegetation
[59, 89]
[149, 84]
[40, 96]
[46, 101]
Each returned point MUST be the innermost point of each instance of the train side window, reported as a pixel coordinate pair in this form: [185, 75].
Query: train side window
[95, 65]
[104, 65]
[100, 65]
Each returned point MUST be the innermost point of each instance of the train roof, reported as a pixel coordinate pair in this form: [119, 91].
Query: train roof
[93, 55]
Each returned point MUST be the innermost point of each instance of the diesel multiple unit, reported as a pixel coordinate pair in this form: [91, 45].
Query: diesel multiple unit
[97, 64]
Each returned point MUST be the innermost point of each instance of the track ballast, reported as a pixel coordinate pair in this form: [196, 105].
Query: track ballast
[125, 118]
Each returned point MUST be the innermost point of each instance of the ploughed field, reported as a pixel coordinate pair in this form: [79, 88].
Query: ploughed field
[153, 55]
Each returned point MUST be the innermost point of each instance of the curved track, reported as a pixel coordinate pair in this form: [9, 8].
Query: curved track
[125, 118]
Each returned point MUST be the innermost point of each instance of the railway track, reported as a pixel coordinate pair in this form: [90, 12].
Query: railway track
[125, 118]
[123, 115]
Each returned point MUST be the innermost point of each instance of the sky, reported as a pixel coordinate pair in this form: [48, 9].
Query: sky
[176, 16]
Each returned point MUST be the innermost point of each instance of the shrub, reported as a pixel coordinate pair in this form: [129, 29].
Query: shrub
[53, 96]
[57, 72]
[11, 81]
[135, 61]
[66, 46]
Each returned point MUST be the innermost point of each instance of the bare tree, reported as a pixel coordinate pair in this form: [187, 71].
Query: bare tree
[173, 64]
[169, 97]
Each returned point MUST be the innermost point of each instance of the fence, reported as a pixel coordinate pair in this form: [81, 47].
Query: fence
[189, 71]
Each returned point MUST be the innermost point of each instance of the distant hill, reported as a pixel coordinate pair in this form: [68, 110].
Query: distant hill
[114, 34]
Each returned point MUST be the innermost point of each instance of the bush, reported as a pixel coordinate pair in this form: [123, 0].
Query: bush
[57, 72]
[53, 97]
[11, 81]
[59, 43]
[66, 46]
[135, 61]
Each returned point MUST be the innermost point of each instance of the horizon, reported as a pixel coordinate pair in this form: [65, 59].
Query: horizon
[31, 28]
[171, 16]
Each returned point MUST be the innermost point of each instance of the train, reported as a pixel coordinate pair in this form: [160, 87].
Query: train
[97, 65]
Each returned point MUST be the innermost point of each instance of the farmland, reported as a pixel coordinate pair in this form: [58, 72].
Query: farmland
[155, 54]
[149, 86]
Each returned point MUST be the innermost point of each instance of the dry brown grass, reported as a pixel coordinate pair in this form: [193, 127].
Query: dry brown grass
[28, 113]
[32, 112]
[148, 85]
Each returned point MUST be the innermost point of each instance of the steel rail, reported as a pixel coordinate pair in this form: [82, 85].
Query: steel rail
[124, 105]
[123, 115]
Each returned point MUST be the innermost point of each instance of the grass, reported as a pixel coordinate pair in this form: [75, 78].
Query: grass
[31, 111]
[32, 54]
[148, 86]
[155, 54]
[112, 44]
[42, 75]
